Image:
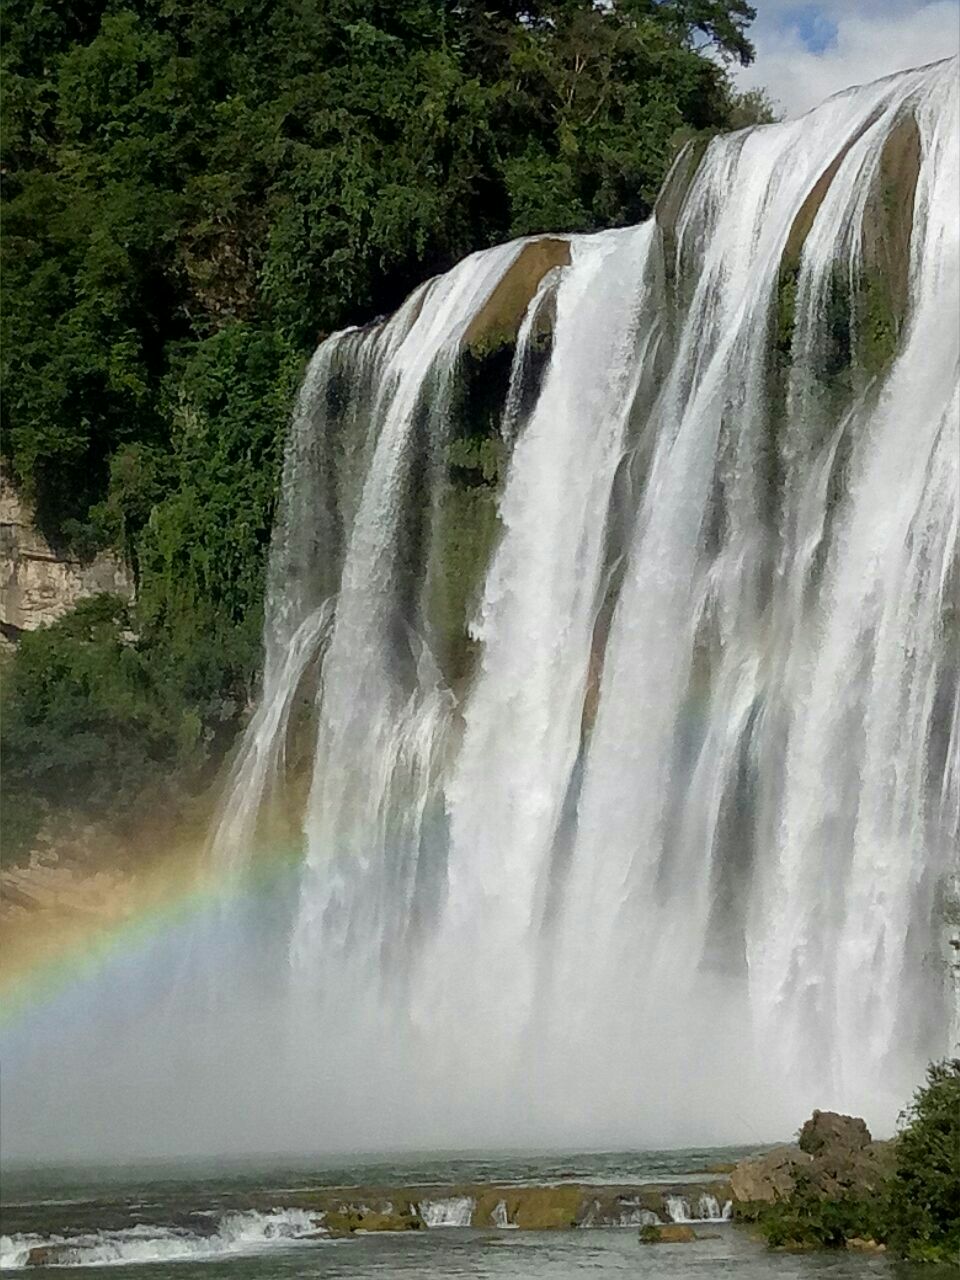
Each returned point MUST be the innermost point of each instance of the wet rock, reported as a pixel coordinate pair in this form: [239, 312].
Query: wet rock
[530, 1208]
[668, 1233]
[49, 1255]
[499, 319]
[348, 1221]
[550, 1207]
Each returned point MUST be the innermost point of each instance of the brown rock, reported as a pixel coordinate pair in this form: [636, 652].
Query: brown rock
[531, 1208]
[499, 318]
[49, 1255]
[669, 1233]
[828, 1131]
[769, 1177]
[835, 1157]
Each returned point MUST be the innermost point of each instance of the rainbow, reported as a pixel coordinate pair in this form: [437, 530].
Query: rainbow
[64, 940]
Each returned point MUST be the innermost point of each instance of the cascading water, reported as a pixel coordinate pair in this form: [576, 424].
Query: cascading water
[611, 669]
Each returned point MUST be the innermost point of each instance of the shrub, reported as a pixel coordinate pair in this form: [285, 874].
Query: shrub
[85, 722]
[925, 1189]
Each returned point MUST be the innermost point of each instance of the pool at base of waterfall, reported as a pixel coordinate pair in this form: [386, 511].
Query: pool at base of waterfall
[464, 1252]
[422, 1216]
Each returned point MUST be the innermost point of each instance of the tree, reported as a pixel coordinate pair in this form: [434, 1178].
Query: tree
[195, 191]
[925, 1191]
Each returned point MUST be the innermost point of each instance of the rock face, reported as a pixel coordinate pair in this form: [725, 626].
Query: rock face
[499, 320]
[835, 1156]
[38, 584]
[769, 1177]
[829, 1131]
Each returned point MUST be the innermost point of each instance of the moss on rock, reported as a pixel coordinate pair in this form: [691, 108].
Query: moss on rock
[349, 1220]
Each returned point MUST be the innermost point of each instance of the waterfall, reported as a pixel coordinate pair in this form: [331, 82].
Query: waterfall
[687, 795]
[453, 1211]
[610, 709]
[708, 1209]
[522, 718]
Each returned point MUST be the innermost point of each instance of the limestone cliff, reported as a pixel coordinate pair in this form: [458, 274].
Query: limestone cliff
[38, 583]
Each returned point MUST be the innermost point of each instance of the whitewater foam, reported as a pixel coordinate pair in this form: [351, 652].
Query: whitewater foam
[235, 1233]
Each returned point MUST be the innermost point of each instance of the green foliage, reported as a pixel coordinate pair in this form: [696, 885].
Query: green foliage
[173, 167]
[194, 192]
[877, 326]
[202, 548]
[786, 311]
[809, 1220]
[925, 1190]
[915, 1211]
[87, 719]
[96, 717]
[754, 106]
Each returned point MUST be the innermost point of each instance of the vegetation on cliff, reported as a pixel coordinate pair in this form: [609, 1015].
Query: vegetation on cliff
[193, 192]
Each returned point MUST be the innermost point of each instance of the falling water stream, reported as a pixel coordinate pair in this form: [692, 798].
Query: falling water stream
[654, 841]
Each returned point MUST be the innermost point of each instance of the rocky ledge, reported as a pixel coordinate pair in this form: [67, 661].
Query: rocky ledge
[344, 1212]
[562, 1206]
[834, 1155]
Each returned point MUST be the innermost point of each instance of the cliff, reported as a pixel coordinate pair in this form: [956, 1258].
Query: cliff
[38, 583]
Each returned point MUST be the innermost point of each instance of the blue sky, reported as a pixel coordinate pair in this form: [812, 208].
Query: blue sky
[806, 51]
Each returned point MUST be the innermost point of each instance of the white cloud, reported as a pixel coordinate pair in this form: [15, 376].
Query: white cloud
[872, 40]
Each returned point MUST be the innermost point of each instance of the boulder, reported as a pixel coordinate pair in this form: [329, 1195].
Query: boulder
[828, 1132]
[668, 1233]
[840, 1170]
[50, 1255]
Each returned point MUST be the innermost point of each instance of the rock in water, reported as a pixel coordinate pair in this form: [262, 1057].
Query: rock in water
[351, 1220]
[50, 1255]
[669, 1233]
